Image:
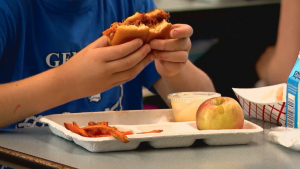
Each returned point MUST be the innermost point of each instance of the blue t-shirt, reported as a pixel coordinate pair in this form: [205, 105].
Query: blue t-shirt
[37, 35]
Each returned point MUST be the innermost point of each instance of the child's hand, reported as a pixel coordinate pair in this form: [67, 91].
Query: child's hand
[172, 54]
[99, 67]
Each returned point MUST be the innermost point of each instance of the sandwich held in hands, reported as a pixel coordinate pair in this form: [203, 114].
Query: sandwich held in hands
[146, 26]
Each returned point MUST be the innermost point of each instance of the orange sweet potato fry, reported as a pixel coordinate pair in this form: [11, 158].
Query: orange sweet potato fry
[111, 130]
[91, 123]
[103, 135]
[99, 133]
[153, 131]
[101, 129]
[102, 123]
[128, 132]
[70, 127]
[81, 131]
[105, 124]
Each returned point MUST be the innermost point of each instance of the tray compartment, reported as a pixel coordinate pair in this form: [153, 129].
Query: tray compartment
[110, 144]
[172, 142]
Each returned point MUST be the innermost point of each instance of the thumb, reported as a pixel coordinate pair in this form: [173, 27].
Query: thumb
[100, 42]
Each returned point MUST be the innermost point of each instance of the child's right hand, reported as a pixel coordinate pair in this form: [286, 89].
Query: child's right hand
[99, 67]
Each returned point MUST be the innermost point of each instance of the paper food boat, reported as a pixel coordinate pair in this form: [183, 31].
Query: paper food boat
[265, 103]
[175, 134]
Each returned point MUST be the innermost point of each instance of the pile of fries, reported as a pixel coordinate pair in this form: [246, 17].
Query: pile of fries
[101, 129]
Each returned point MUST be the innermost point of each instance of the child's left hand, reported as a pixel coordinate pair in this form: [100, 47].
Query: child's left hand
[172, 54]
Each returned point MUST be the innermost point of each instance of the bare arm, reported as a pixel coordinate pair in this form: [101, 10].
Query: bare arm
[171, 61]
[85, 74]
[22, 98]
[287, 45]
[190, 78]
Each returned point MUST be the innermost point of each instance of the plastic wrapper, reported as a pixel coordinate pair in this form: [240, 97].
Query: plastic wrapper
[285, 136]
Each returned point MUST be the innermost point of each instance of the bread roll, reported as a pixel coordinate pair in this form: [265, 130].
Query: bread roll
[147, 26]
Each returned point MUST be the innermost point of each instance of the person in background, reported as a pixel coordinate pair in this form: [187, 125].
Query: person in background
[54, 59]
[276, 62]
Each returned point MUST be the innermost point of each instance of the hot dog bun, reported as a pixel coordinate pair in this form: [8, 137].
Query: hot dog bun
[147, 26]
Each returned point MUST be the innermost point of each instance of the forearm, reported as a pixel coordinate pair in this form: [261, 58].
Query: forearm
[190, 78]
[288, 43]
[24, 98]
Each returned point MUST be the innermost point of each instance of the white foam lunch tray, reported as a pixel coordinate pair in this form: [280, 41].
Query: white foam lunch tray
[175, 134]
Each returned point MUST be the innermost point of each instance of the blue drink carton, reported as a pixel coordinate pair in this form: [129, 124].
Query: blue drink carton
[292, 96]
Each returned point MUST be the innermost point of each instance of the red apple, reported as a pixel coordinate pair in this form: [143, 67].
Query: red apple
[220, 113]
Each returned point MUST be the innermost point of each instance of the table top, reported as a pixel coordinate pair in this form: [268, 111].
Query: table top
[190, 5]
[42, 144]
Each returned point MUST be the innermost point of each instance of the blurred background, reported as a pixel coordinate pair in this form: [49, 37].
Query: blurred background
[229, 37]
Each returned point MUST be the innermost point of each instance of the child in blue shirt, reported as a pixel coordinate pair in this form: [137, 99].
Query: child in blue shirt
[54, 59]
